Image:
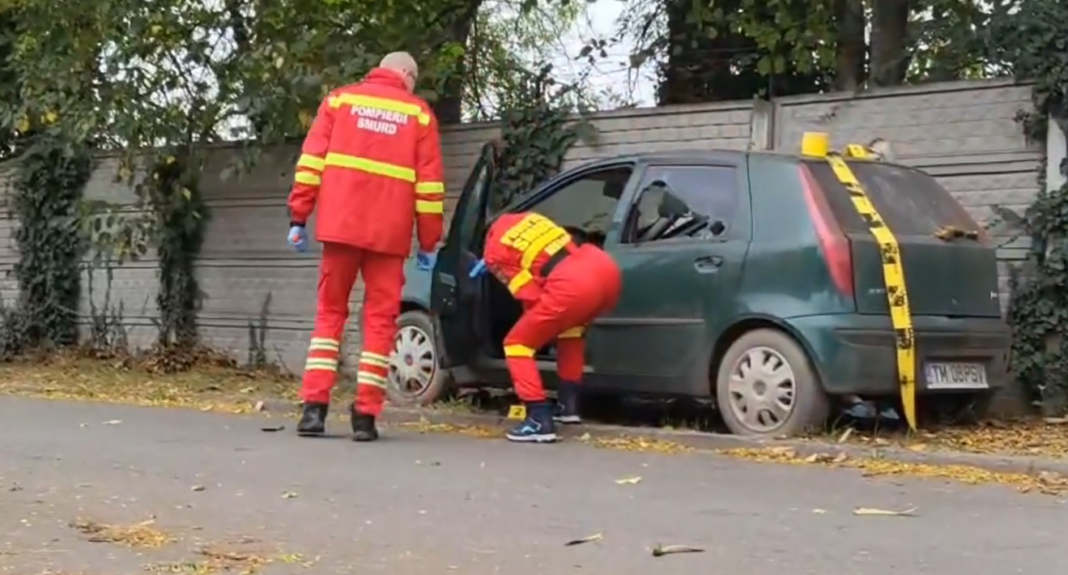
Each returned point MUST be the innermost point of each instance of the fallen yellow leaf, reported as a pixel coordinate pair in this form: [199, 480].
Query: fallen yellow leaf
[587, 539]
[884, 512]
[628, 480]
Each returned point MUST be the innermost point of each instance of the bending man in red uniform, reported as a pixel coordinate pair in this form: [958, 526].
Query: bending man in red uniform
[372, 165]
[562, 287]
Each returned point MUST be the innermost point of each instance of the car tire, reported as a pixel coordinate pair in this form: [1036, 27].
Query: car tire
[417, 355]
[809, 407]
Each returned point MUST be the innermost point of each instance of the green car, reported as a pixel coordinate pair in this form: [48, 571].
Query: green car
[748, 279]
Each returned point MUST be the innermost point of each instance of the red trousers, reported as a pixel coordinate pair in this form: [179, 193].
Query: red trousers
[383, 278]
[582, 287]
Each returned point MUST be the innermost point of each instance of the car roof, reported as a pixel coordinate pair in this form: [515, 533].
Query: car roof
[687, 155]
[691, 155]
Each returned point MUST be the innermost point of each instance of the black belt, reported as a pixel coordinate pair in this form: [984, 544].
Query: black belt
[553, 261]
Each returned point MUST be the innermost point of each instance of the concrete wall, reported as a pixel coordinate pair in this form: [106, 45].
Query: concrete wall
[963, 133]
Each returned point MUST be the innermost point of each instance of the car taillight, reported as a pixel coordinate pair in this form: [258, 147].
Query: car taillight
[833, 243]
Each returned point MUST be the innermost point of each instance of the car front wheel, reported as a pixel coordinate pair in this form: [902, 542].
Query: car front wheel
[415, 377]
[766, 386]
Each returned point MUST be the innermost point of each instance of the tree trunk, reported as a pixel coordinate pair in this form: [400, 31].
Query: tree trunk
[698, 68]
[851, 50]
[889, 41]
[449, 106]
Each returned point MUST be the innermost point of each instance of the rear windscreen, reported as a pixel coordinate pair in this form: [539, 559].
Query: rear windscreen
[911, 202]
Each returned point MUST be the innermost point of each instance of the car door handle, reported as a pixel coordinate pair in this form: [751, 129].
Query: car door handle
[708, 264]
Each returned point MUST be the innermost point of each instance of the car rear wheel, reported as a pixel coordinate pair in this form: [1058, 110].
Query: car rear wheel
[765, 386]
[415, 377]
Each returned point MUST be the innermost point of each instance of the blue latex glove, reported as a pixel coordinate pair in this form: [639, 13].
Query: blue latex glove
[425, 260]
[478, 269]
[298, 238]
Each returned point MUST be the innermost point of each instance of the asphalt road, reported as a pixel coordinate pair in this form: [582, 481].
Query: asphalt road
[417, 504]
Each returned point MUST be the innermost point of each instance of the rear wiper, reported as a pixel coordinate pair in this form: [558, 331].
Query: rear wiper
[950, 233]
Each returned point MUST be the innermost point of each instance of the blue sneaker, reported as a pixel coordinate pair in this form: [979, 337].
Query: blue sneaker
[538, 427]
[567, 403]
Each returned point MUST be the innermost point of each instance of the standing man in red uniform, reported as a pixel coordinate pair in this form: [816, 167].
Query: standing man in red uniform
[371, 163]
[562, 287]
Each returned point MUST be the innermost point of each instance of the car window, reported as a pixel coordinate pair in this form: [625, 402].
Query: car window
[708, 192]
[589, 202]
[474, 189]
[910, 201]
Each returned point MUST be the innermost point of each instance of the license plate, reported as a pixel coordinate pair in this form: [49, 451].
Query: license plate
[956, 376]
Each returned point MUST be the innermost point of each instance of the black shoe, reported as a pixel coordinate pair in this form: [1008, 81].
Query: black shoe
[567, 403]
[363, 426]
[312, 420]
[537, 427]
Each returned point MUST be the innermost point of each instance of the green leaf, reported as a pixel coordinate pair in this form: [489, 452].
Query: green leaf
[764, 66]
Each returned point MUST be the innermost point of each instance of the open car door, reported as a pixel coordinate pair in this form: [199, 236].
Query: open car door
[454, 296]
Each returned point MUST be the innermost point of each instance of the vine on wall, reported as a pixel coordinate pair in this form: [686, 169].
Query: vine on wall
[170, 215]
[537, 131]
[172, 191]
[1035, 41]
[45, 199]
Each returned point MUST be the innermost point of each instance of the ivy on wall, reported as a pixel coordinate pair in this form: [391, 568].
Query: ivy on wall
[1035, 41]
[172, 190]
[45, 196]
[537, 131]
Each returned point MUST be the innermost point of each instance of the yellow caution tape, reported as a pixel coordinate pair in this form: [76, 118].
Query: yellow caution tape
[893, 278]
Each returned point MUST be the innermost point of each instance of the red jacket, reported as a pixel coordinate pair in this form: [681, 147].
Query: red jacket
[372, 164]
[518, 245]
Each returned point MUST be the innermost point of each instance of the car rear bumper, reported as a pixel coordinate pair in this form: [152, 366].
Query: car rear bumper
[855, 354]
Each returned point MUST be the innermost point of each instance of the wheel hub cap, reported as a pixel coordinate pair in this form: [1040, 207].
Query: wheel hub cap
[762, 390]
[413, 364]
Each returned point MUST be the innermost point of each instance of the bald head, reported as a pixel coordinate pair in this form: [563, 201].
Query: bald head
[403, 64]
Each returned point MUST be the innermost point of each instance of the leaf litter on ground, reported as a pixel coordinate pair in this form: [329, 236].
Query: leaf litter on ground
[1035, 437]
[207, 387]
[1046, 482]
[211, 560]
[143, 534]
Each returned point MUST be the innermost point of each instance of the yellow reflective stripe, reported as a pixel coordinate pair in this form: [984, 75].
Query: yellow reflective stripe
[371, 166]
[312, 162]
[430, 188]
[320, 363]
[573, 333]
[406, 108]
[549, 243]
[521, 279]
[374, 359]
[364, 378]
[308, 178]
[429, 207]
[325, 344]
[517, 350]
